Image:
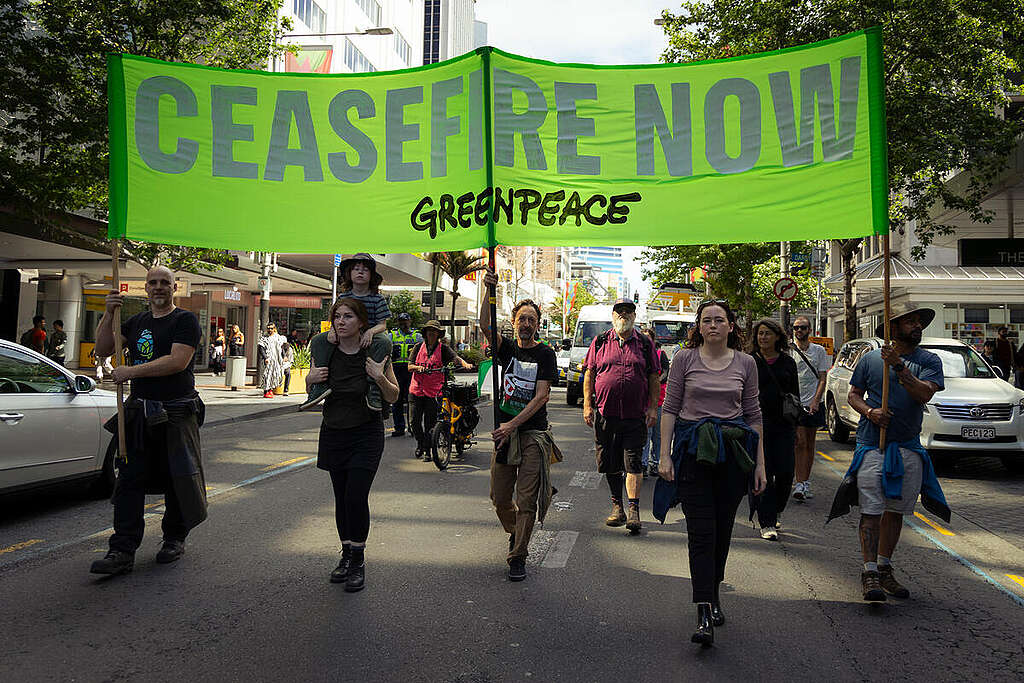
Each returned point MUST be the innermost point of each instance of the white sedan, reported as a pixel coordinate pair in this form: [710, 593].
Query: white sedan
[51, 424]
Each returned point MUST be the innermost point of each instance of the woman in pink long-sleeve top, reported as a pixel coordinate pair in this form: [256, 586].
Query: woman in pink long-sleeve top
[712, 386]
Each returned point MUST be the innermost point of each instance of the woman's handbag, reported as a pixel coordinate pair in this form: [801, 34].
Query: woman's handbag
[792, 409]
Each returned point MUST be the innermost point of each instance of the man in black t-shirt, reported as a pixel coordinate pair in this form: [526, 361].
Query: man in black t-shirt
[162, 415]
[527, 369]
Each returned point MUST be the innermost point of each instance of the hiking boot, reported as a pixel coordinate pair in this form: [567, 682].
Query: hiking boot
[617, 517]
[115, 562]
[889, 583]
[340, 573]
[633, 520]
[356, 579]
[516, 569]
[170, 551]
[872, 587]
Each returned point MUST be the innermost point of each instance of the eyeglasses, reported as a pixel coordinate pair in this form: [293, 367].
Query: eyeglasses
[801, 327]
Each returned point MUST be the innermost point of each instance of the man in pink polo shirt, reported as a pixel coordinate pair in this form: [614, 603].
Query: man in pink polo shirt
[623, 373]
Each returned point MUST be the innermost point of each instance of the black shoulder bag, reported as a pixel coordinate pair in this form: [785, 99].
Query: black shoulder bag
[792, 409]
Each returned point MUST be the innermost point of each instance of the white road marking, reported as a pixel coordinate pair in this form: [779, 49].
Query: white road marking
[559, 550]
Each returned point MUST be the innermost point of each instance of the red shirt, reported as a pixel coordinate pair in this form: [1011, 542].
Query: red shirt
[622, 371]
[39, 340]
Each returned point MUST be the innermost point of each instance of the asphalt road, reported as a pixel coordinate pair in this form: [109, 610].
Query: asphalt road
[251, 601]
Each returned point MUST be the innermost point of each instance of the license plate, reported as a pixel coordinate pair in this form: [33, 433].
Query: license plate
[978, 433]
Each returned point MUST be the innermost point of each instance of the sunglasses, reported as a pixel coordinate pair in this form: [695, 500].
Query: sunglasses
[801, 327]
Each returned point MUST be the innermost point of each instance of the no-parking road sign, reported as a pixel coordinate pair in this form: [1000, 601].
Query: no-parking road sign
[785, 289]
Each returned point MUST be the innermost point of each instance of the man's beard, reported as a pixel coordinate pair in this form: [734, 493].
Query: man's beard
[912, 338]
[622, 326]
[525, 334]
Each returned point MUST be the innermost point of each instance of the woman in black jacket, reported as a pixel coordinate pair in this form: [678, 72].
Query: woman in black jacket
[777, 373]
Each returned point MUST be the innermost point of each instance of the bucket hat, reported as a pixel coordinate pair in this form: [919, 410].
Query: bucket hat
[927, 316]
[375, 278]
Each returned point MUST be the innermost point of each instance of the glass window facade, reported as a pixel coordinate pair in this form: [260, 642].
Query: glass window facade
[431, 31]
[403, 49]
[310, 14]
[372, 10]
[356, 60]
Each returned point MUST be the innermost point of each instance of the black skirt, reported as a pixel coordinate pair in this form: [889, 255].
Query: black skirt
[355, 448]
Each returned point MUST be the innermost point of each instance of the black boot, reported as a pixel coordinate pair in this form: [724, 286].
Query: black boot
[115, 562]
[705, 633]
[717, 615]
[340, 572]
[356, 579]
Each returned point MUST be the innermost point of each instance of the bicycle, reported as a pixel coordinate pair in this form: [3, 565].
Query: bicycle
[456, 420]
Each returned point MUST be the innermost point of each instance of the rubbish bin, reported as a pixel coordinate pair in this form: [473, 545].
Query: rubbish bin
[234, 372]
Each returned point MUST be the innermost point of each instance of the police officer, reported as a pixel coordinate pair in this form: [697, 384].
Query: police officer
[402, 340]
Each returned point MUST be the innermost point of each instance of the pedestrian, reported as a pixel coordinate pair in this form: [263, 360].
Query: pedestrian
[217, 357]
[359, 280]
[777, 383]
[1004, 353]
[812, 363]
[35, 338]
[426, 362]
[524, 448]
[163, 414]
[652, 448]
[352, 431]
[236, 344]
[988, 352]
[271, 347]
[287, 358]
[711, 453]
[403, 338]
[623, 374]
[885, 479]
[55, 345]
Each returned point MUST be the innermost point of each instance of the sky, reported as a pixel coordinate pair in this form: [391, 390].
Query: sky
[588, 31]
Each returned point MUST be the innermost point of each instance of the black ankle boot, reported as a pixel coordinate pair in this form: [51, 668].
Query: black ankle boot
[356, 579]
[340, 572]
[705, 633]
[717, 615]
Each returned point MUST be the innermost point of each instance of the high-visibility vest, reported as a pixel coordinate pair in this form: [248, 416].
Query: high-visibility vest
[404, 342]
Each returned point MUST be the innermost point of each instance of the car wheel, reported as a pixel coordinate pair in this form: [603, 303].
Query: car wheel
[1014, 464]
[837, 431]
[103, 485]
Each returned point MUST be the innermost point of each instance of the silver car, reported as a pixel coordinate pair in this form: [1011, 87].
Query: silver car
[51, 424]
[978, 413]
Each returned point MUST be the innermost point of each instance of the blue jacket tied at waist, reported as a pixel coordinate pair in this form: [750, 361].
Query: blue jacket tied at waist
[692, 436]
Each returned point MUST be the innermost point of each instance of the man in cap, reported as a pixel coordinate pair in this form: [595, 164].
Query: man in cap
[812, 365]
[623, 373]
[402, 340]
[426, 361]
[890, 476]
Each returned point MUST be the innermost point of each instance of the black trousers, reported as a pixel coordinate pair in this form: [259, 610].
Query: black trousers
[424, 417]
[779, 442]
[351, 503]
[709, 500]
[398, 408]
[287, 379]
[134, 477]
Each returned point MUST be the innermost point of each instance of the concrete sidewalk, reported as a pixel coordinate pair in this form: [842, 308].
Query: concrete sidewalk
[224, 406]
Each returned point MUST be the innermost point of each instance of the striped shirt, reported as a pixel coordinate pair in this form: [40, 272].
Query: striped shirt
[377, 310]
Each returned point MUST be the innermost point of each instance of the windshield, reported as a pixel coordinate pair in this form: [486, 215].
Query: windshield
[670, 332]
[961, 361]
[586, 331]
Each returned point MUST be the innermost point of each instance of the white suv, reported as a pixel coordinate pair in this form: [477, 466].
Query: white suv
[977, 414]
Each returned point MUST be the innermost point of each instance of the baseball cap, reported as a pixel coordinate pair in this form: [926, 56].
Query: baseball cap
[623, 301]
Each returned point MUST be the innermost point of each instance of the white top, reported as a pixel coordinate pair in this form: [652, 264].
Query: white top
[808, 382]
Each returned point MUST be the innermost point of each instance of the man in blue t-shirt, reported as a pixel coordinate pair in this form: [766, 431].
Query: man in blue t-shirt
[914, 376]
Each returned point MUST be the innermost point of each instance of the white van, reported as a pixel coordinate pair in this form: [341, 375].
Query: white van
[670, 329]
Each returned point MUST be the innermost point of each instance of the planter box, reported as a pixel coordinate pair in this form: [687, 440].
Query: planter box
[298, 384]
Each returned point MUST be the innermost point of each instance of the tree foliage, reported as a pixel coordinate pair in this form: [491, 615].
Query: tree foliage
[405, 302]
[583, 298]
[53, 92]
[946, 66]
[457, 265]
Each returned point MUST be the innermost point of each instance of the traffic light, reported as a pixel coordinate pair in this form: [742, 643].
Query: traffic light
[636, 297]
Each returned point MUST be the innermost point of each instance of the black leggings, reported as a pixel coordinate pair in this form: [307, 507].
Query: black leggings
[424, 417]
[351, 503]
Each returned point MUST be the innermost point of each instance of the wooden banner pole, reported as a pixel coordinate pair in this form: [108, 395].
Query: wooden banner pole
[115, 256]
[886, 262]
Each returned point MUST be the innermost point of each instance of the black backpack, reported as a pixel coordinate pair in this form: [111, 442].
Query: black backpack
[26, 339]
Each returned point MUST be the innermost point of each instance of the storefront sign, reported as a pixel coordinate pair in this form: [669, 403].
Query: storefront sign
[295, 301]
[788, 145]
[231, 295]
[138, 288]
[991, 252]
[827, 342]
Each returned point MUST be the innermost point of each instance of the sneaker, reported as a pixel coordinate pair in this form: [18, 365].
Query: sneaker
[516, 569]
[633, 520]
[778, 523]
[617, 517]
[317, 393]
[769, 534]
[170, 551]
[798, 491]
[115, 562]
[889, 583]
[807, 490]
[872, 586]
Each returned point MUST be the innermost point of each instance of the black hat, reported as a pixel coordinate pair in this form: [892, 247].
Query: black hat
[624, 301]
[927, 316]
[404, 316]
[362, 257]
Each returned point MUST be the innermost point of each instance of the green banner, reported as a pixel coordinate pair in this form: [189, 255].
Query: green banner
[785, 145]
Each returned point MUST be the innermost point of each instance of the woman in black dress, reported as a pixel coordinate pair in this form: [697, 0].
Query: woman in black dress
[777, 373]
[352, 432]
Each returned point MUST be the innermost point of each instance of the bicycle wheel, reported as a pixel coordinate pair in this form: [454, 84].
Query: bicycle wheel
[441, 441]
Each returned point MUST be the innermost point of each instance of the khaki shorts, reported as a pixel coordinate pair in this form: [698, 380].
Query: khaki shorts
[869, 484]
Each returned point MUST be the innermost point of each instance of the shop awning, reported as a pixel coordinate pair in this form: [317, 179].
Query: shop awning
[904, 273]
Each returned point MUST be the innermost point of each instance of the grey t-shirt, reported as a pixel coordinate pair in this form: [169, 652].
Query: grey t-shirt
[808, 382]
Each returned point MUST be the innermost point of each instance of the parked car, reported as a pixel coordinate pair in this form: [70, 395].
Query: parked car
[51, 424]
[978, 413]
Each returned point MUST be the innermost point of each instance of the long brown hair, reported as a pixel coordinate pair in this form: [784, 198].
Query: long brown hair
[696, 339]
